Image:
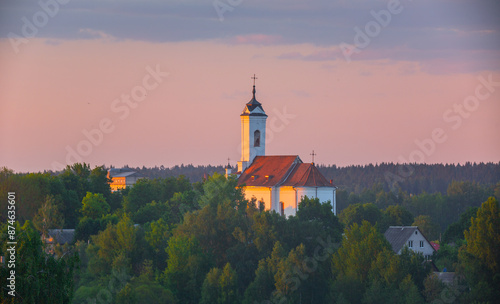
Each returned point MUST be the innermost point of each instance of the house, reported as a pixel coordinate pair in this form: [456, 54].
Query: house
[279, 182]
[411, 237]
[60, 236]
[122, 178]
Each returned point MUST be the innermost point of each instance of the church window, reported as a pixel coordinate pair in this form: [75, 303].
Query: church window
[256, 137]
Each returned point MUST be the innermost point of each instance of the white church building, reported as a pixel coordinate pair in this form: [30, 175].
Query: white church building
[278, 181]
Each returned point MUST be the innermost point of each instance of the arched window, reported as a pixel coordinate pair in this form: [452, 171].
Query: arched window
[256, 138]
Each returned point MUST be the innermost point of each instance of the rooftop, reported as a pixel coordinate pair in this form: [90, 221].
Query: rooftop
[282, 170]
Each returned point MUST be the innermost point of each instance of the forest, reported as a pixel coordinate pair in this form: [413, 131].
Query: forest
[174, 239]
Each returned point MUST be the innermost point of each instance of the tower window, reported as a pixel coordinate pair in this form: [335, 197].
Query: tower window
[256, 138]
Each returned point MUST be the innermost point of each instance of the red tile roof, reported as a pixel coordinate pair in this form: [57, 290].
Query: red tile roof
[274, 167]
[271, 171]
[306, 175]
[435, 246]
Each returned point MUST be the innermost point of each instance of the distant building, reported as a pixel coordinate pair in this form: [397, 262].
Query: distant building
[60, 236]
[122, 178]
[279, 182]
[411, 237]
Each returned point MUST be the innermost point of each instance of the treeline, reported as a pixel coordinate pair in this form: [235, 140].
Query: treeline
[410, 178]
[193, 173]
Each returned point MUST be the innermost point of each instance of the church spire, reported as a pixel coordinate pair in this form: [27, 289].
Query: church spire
[253, 91]
[253, 103]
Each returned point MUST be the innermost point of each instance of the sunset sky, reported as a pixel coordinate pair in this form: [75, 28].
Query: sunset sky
[416, 69]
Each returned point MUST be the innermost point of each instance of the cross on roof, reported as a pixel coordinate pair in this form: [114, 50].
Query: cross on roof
[313, 154]
[254, 79]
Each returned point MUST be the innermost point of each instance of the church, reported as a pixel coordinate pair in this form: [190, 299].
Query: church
[277, 181]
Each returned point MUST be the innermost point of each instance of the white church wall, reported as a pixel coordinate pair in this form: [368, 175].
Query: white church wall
[259, 193]
[324, 194]
[276, 200]
[288, 197]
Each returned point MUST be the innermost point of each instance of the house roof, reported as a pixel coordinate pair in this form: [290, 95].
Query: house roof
[126, 174]
[268, 171]
[306, 175]
[62, 236]
[272, 171]
[398, 235]
[123, 172]
[435, 246]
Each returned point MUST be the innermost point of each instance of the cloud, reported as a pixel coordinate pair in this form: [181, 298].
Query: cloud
[96, 34]
[328, 54]
[425, 30]
[257, 39]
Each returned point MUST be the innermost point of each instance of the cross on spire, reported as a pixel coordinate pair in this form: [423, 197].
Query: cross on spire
[313, 155]
[254, 79]
[253, 91]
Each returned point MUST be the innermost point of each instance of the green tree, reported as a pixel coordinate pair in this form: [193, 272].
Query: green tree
[144, 289]
[427, 226]
[157, 234]
[395, 216]
[483, 236]
[117, 244]
[455, 231]
[186, 268]
[479, 258]
[220, 286]
[364, 253]
[261, 288]
[358, 213]
[433, 288]
[94, 206]
[219, 189]
[48, 217]
[159, 189]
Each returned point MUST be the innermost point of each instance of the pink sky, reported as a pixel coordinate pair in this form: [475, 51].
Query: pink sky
[366, 111]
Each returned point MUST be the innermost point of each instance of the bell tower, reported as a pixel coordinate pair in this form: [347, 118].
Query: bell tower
[253, 131]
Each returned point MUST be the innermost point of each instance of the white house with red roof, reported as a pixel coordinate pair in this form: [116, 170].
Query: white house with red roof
[279, 181]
